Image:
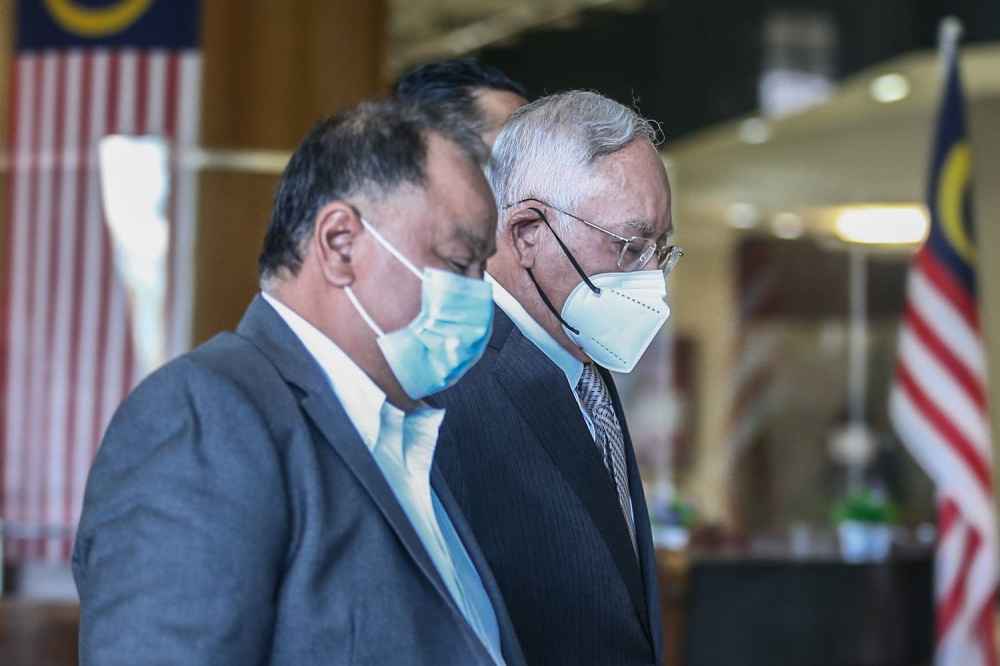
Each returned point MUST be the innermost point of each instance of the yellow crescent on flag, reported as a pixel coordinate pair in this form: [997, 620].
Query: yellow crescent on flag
[96, 21]
[952, 186]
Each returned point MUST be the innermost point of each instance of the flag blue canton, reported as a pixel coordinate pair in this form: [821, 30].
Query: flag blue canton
[949, 192]
[143, 24]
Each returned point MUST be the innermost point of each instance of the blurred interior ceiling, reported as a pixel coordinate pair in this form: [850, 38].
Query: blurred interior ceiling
[847, 151]
[799, 70]
[423, 31]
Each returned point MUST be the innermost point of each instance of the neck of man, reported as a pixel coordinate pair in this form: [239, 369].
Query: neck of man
[514, 279]
[328, 310]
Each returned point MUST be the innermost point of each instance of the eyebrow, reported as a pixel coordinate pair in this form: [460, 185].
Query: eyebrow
[642, 226]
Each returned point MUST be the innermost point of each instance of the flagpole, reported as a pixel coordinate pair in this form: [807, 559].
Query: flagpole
[857, 373]
[949, 35]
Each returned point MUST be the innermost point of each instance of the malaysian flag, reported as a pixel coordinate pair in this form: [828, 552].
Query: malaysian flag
[938, 403]
[82, 70]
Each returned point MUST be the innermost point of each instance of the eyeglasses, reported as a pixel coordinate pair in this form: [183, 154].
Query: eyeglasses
[636, 252]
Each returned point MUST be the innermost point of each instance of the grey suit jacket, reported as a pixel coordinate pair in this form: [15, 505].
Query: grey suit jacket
[233, 516]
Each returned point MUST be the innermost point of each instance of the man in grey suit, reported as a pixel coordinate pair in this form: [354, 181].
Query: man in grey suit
[268, 498]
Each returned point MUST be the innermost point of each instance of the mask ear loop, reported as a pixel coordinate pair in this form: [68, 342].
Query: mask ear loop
[364, 313]
[545, 299]
[548, 304]
[569, 255]
[389, 246]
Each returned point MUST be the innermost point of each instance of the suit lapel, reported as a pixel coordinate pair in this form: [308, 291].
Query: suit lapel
[508, 640]
[643, 533]
[546, 402]
[266, 330]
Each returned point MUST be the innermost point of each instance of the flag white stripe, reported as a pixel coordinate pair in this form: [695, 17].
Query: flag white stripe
[17, 321]
[156, 88]
[941, 388]
[186, 210]
[950, 473]
[90, 297]
[948, 325]
[58, 398]
[42, 220]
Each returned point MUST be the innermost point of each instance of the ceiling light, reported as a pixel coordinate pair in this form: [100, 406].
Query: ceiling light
[890, 88]
[787, 225]
[742, 215]
[755, 130]
[883, 225]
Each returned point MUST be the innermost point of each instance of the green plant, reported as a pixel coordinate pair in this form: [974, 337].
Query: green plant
[866, 507]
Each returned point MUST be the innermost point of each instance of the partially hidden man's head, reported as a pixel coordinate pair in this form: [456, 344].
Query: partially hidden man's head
[475, 93]
[579, 168]
[417, 183]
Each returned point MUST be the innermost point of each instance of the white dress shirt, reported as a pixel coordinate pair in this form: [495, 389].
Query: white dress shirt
[403, 445]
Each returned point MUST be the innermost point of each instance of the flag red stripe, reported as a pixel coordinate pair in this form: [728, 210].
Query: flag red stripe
[170, 130]
[947, 514]
[946, 357]
[950, 606]
[945, 428]
[960, 299]
[142, 99]
[985, 629]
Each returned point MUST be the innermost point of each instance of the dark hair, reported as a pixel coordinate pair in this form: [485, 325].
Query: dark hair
[451, 86]
[373, 148]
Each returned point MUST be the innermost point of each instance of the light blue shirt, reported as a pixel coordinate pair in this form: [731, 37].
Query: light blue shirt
[403, 445]
[571, 366]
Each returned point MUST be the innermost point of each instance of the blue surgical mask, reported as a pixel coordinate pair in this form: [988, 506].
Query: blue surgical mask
[448, 335]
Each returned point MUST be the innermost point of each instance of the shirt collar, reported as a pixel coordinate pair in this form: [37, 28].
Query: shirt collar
[360, 397]
[571, 366]
[415, 434]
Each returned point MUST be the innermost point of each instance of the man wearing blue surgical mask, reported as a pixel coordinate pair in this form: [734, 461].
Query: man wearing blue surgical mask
[269, 497]
[535, 445]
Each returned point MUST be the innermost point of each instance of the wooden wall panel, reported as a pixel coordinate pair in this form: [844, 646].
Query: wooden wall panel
[271, 69]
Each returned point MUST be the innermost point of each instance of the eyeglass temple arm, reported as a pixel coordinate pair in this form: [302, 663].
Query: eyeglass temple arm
[569, 255]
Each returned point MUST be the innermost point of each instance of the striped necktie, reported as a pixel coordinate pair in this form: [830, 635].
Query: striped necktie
[597, 400]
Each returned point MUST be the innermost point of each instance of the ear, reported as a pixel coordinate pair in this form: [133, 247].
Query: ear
[334, 233]
[523, 232]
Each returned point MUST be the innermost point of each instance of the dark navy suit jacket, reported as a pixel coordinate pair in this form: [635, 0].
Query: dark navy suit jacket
[234, 516]
[519, 458]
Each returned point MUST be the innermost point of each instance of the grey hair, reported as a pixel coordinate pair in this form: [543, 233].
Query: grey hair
[546, 147]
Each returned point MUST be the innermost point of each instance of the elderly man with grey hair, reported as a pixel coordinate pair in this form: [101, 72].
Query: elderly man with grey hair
[535, 445]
